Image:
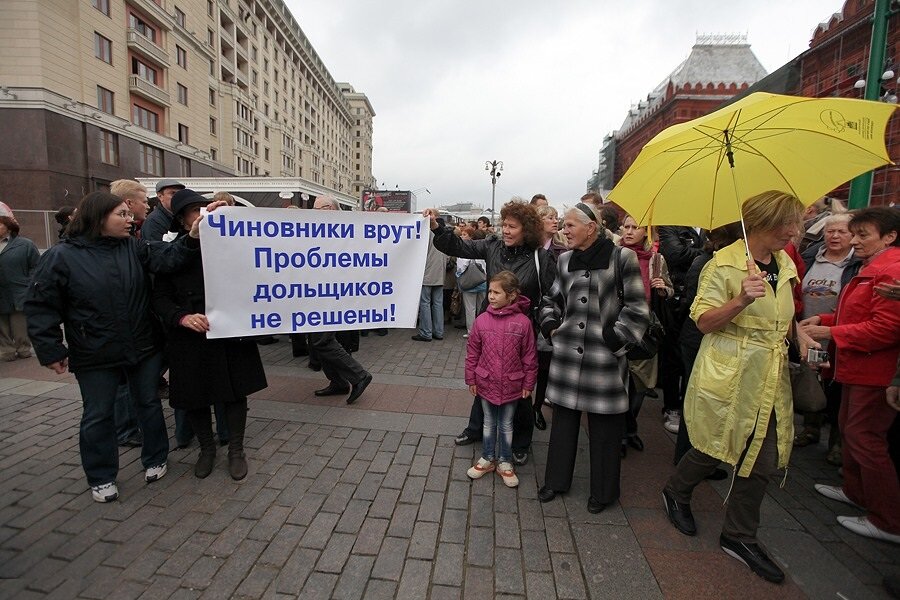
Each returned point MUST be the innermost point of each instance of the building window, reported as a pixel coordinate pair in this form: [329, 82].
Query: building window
[142, 27]
[209, 7]
[266, 154]
[151, 160]
[102, 48]
[109, 148]
[212, 68]
[101, 5]
[213, 153]
[357, 144]
[212, 97]
[185, 164]
[182, 94]
[143, 70]
[210, 37]
[142, 117]
[179, 16]
[212, 125]
[183, 133]
[105, 100]
[181, 57]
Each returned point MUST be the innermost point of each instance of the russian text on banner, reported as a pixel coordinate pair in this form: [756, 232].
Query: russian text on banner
[272, 270]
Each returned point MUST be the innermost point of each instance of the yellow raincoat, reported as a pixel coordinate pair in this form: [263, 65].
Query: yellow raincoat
[741, 373]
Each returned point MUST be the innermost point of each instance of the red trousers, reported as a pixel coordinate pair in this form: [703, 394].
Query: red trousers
[870, 479]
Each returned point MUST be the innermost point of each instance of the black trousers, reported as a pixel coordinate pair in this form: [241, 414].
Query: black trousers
[604, 435]
[543, 377]
[523, 424]
[672, 377]
[337, 364]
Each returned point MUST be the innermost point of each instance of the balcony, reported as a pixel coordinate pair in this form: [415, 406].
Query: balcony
[156, 12]
[147, 48]
[241, 79]
[148, 90]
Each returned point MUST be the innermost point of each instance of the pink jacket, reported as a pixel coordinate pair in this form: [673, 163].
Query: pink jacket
[501, 358]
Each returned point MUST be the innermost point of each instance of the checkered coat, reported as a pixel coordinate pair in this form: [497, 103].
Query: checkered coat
[589, 370]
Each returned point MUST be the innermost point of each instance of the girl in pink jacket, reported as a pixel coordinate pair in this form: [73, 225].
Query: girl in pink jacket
[501, 368]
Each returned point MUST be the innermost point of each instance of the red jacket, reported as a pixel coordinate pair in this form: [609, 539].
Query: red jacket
[866, 327]
[501, 358]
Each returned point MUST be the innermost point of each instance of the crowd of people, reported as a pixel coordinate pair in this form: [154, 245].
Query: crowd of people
[736, 306]
[581, 313]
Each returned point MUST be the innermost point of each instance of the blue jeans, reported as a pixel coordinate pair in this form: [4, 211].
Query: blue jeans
[126, 417]
[431, 311]
[97, 437]
[497, 431]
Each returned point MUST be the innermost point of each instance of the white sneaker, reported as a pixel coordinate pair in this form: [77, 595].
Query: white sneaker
[672, 420]
[105, 492]
[862, 526]
[835, 492]
[155, 473]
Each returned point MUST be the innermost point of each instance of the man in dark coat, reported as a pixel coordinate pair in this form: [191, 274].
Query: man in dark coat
[158, 223]
[679, 246]
[344, 373]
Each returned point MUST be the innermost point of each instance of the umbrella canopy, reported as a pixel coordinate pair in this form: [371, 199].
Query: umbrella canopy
[699, 172]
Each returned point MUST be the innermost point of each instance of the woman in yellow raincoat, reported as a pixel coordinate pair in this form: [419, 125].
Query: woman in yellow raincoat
[738, 406]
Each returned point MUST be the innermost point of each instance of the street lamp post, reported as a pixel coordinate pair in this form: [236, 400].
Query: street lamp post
[494, 167]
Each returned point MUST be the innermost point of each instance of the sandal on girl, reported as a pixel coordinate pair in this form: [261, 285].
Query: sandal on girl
[481, 468]
[505, 470]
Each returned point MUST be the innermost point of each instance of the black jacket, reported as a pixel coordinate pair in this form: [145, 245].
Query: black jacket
[691, 336]
[100, 291]
[229, 369]
[680, 246]
[498, 257]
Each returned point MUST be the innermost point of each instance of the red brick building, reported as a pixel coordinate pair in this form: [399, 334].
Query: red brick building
[718, 67]
[837, 58]
[721, 69]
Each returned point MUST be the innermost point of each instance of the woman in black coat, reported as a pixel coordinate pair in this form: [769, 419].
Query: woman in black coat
[96, 284]
[204, 371]
[519, 249]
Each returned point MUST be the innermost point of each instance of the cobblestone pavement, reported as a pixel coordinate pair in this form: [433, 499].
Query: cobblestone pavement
[372, 501]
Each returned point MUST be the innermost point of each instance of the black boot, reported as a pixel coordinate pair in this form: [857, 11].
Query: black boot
[201, 423]
[236, 416]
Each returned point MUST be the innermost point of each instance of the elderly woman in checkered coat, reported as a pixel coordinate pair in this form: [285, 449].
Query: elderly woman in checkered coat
[591, 330]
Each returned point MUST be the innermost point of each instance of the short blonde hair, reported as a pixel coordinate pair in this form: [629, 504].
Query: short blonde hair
[126, 189]
[770, 210]
[546, 211]
[225, 197]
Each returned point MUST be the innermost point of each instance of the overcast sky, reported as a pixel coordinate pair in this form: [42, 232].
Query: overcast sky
[535, 84]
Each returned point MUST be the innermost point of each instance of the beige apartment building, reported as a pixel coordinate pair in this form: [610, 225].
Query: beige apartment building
[95, 90]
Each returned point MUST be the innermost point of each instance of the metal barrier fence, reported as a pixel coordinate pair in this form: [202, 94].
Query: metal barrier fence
[39, 226]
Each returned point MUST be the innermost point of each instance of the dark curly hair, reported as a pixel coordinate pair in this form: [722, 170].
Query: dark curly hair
[527, 215]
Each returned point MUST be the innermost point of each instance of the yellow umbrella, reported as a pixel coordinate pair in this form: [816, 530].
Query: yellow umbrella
[699, 172]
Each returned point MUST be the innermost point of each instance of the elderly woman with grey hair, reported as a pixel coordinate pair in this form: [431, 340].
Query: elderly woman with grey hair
[592, 322]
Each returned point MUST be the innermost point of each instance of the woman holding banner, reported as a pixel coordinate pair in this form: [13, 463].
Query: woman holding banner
[519, 249]
[230, 367]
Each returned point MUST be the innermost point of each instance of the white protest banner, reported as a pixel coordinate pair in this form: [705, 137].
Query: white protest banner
[269, 270]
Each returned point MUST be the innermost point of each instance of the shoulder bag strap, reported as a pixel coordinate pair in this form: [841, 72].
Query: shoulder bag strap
[617, 271]
[537, 267]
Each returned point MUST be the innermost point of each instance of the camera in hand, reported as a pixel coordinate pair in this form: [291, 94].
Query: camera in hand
[816, 357]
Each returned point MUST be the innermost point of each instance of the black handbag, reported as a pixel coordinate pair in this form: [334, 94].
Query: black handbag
[806, 389]
[648, 347]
